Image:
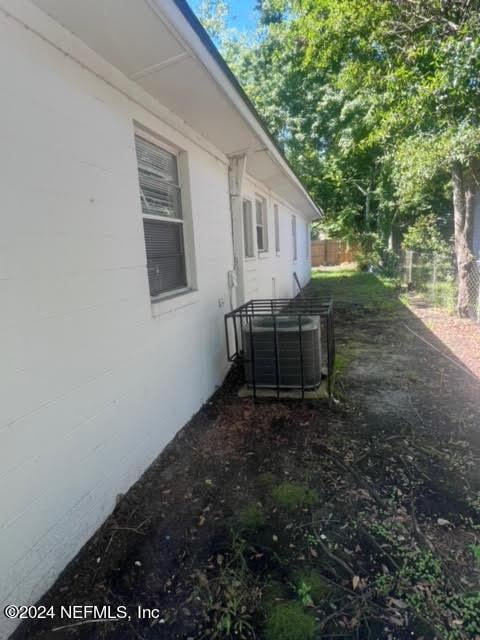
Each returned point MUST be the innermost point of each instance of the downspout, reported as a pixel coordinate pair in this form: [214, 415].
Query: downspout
[236, 171]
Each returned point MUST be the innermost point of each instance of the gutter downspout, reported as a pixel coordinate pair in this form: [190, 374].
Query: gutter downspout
[236, 171]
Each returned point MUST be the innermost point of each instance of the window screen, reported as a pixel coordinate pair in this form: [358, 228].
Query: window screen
[162, 217]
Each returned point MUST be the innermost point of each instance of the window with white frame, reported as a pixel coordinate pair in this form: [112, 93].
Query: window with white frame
[261, 224]
[277, 228]
[163, 222]
[294, 236]
[248, 228]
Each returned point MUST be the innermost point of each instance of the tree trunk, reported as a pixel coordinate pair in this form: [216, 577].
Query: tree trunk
[465, 187]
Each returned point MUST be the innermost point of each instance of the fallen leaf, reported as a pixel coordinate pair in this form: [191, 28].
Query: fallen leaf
[442, 522]
[400, 604]
[355, 582]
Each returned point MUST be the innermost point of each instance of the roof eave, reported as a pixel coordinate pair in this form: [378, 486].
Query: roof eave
[262, 129]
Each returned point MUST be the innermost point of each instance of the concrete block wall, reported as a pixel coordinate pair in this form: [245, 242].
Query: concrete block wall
[270, 274]
[93, 384]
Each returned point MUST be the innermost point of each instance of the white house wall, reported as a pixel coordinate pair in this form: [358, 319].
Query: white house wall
[268, 274]
[93, 385]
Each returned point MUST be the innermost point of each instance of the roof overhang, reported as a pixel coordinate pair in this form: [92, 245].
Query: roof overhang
[161, 46]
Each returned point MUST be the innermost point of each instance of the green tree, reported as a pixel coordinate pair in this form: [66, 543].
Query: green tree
[376, 103]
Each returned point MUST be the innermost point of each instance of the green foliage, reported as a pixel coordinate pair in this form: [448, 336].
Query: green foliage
[289, 621]
[251, 517]
[311, 587]
[465, 608]
[372, 291]
[267, 480]
[341, 363]
[303, 591]
[424, 236]
[420, 566]
[384, 584]
[229, 601]
[230, 598]
[213, 14]
[475, 549]
[291, 496]
[372, 102]
[375, 255]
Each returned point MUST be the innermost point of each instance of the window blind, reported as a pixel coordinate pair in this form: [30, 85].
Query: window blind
[163, 221]
[158, 177]
[165, 256]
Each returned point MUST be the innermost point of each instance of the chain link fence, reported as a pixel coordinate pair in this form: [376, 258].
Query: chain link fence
[434, 277]
[474, 291]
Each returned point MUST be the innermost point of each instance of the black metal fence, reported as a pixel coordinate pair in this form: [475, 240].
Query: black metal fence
[281, 330]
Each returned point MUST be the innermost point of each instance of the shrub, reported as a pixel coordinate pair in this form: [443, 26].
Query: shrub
[424, 236]
[310, 586]
[267, 480]
[290, 495]
[251, 517]
[288, 621]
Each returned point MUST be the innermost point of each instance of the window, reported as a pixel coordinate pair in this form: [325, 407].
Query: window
[277, 228]
[248, 229]
[162, 217]
[294, 236]
[261, 222]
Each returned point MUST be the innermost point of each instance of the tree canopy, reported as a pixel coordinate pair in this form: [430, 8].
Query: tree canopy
[376, 103]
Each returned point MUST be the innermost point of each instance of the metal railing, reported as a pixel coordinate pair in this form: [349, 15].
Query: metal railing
[239, 332]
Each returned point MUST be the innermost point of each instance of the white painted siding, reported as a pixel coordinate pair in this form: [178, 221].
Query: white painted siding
[268, 274]
[92, 385]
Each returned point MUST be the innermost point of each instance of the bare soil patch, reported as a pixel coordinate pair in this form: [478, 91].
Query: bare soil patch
[460, 336]
[296, 521]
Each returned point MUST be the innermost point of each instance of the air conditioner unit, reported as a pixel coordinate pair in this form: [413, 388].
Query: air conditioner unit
[283, 351]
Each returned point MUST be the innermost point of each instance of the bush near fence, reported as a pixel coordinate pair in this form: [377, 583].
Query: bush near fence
[330, 253]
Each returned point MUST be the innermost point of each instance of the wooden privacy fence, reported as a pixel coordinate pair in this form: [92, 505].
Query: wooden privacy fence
[329, 253]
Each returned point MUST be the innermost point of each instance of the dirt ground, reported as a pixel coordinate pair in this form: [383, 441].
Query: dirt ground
[291, 521]
[460, 336]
